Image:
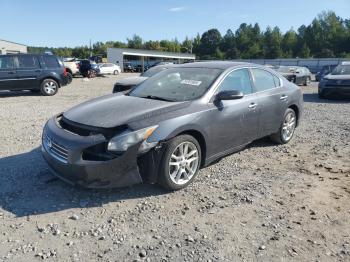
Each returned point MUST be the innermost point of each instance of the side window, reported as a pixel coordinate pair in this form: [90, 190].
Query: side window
[6, 62]
[27, 61]
[263, 80]
[50, 61]
[237, 80]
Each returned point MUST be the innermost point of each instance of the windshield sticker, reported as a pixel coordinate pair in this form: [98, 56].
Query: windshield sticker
[191, 82]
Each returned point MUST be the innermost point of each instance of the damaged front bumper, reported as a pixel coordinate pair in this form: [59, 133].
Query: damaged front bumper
[68, 158]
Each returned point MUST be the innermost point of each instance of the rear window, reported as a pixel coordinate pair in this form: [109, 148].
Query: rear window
[27, 61]
[50, 62]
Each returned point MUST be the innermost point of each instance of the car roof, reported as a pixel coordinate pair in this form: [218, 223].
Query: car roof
[24, 54]
[217, 64]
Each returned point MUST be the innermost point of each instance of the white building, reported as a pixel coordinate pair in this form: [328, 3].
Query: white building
[7, 47]
[142, 57]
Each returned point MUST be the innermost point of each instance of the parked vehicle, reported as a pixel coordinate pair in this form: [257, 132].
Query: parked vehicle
[88, 69]
[96, 59]
[109, 68]
[302, 76]
[337, 83]
[72, 68]
[128, 67]
[297, 75]
[127, 83]
[324, 71]
[172, 124]
[37, 73]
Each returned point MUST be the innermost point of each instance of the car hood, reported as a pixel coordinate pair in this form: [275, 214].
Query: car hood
[135, 80]
[118, 109]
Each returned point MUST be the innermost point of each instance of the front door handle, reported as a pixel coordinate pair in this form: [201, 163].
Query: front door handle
[11, 72]
[38, 71]
[252, 105]
[283, 97]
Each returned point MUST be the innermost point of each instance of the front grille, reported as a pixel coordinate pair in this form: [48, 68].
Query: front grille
[56, 150]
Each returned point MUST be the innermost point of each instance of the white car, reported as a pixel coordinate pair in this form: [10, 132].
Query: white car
[109, 68]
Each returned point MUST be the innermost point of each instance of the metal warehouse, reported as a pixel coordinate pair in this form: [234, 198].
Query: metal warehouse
[7, 47]
[139, 57]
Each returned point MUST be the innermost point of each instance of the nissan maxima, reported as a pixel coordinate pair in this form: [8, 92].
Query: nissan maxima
[171, 125]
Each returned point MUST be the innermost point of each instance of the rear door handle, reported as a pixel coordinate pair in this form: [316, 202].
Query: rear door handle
[11, 72]
[283, 97]
[38, 71]
[252, 105]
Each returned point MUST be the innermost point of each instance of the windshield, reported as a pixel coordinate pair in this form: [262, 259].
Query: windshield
[341, 70]
[152, 71]
[177, 84]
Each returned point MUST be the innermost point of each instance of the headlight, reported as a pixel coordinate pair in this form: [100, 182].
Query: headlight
[122, 142]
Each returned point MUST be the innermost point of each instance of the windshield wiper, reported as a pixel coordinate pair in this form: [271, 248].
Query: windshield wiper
[158, 98]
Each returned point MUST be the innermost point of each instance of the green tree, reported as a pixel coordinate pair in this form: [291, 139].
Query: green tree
[187, 45]
[210, 42]
[135, 42]
[272, 43]
[228, 45]
[289, 44]
[304, 51]
[249, 41]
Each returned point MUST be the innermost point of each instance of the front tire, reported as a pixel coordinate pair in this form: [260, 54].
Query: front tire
[49, 87]
[180, 163]
[286, 131]
[116, 72]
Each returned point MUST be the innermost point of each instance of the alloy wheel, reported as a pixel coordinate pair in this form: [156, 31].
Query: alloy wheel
[183, 163]
[288, 126]
[50, 87]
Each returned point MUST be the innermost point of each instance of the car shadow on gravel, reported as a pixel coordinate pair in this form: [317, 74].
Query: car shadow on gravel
[18, 93]
[313, 98]
[28, 188]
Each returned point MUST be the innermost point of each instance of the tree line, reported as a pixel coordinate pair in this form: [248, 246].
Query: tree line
[327, 36]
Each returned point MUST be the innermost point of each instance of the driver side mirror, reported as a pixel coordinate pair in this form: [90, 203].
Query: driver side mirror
[229, 95]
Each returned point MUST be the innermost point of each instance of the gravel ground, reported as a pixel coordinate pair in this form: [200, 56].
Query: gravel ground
[265, 203]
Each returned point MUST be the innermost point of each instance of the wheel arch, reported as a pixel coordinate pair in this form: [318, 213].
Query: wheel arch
[52, 78]
[201, 140]
[296, 110]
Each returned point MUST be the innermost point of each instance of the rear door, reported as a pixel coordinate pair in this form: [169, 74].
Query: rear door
[7, 73]
[272, 100]
[27, 71]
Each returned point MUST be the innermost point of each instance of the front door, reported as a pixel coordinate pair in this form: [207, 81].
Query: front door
[28, 71]
[7, 73]
[234, 122]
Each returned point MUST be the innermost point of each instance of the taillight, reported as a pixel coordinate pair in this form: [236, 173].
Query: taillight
[64, 71]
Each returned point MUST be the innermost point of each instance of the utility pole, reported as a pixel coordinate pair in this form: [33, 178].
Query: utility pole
[90, 49]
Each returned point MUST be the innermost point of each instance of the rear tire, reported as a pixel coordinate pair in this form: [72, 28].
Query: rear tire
[286, 131]
[49, 87]
[116, 72]
[69, 78]
[180, 162]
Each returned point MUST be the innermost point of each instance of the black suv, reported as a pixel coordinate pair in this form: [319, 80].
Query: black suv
[38, 73]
